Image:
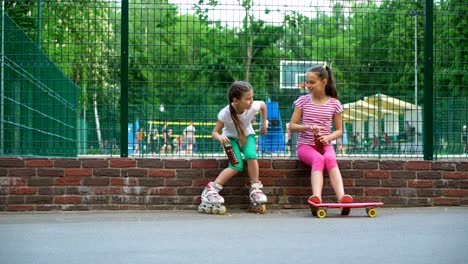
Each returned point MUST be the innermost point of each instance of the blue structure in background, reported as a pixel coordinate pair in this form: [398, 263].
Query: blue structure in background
[273, 141]
[131, 136]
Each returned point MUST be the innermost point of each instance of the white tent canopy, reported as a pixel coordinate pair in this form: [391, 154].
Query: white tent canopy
[380, 110]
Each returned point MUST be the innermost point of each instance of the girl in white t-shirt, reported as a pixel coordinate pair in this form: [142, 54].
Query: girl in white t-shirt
[234, 125]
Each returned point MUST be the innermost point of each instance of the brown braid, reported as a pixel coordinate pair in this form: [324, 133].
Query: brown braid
[237, 89]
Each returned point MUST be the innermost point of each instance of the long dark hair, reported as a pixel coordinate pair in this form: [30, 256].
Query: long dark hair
[326, 73]
[237, 89]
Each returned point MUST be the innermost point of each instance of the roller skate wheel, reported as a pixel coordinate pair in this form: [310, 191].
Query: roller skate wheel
[219, 210]
[258, 208]
[203, 208]
[321, 213]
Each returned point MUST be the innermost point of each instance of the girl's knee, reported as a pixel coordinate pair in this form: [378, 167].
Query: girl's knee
[239, 167]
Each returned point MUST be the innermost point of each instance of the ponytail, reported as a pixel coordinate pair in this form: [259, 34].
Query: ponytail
[239, 127]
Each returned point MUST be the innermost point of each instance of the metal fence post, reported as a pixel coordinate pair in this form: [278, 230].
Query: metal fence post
[428, 106]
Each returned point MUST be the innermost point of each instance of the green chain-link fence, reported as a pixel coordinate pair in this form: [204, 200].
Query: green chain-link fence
[173, 61]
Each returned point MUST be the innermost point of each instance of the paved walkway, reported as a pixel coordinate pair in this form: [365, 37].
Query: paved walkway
[402, 235]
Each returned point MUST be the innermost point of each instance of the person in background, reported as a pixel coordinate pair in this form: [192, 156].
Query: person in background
[166, 139]
[189, 133]
[464, 139]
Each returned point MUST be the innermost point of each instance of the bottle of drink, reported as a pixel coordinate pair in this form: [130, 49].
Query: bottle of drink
[230, 154]
[319, 143]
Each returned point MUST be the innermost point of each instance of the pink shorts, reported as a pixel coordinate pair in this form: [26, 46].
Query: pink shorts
[310, 155]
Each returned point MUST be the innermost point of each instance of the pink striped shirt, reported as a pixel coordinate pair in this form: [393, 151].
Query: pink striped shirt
[319, 115]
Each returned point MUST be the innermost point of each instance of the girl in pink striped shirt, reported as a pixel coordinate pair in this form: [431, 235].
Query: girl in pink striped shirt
[314, 113]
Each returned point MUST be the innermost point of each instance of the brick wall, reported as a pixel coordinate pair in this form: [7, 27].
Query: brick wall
[36, 184]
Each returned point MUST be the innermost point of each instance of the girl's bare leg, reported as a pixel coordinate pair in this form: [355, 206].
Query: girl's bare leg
[336, 182]
[317, 183]
[225, 175]
[253, 170]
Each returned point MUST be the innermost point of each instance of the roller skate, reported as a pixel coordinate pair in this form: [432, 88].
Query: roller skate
[257, 198]
[211, 201]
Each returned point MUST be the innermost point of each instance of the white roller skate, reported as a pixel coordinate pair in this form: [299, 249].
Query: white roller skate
[257, 198]
[211, 201]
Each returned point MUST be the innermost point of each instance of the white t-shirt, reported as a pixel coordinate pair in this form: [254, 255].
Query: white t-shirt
[246, 119]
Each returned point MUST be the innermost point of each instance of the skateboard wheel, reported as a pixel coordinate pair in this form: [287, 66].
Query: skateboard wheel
[313, 210]
[321, 213]
[371, 212]
[345, 211]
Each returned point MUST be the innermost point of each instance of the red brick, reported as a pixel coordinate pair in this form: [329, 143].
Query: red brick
[20, 208]
[378, 191]
[67, 163]
[99, 172]
[442, 165]
[117, 181]
[95, 163]
[446, 201]
[50, 172]
[11, 163]
[285, 164]
[431, 175]
[74, 172]
[418, 165]
[264, 164]
[172, 182]
[366, 164]
[455, 175]
[348, 182]
[299, 191]
[377, 174]
[345, 164]
[149, 163]
[23, 190]
[391, 165]
[96, 181]
[29, 172]
[107, 190]
[267, 181]
[135, 172]
[39, 163]
[456, 193]
[71, 199]
[161, 173]
[122, 163]
[163, 191]
[189, 173]
[40, 181]
[67, 181]
[17, 181]
[272, 173]
[204, 164]
[176, 164]
[421, 184]
[202, 182]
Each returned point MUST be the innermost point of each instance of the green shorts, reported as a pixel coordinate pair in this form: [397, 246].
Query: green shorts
[249, 151]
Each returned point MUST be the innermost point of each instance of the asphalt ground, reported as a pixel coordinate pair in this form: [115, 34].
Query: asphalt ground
[396, 235]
